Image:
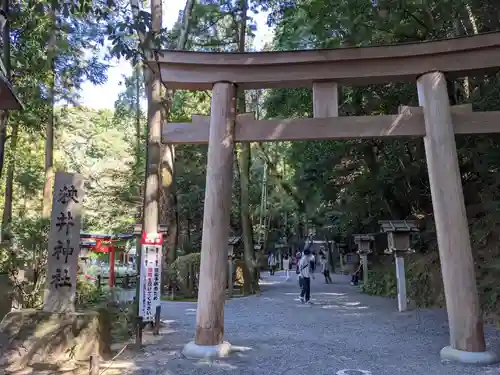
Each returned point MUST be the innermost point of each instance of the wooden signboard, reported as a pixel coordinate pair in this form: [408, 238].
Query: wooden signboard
[64, 243]
[150, 275]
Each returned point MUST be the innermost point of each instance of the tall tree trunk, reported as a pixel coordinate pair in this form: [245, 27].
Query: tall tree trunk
[9, 184]
[151, 196]
[49, 132]
[168, 200]
[186, 24]
[7, 212]
[286, 186]
[6, 60]
[138, 140]
[244, 162]
[3, 138]
[168, 207]
[153, 133]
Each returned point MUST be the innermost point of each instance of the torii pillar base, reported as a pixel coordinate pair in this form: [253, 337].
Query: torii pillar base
[471, 358]
[193, 350]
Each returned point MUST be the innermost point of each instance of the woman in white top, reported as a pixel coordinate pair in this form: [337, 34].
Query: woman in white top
[286, 266]
[325, 269]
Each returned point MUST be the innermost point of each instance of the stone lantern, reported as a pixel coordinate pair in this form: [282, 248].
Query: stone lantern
[398, 243]
[364, 241]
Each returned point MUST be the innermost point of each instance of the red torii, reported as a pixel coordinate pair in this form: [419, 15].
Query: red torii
[103, 244]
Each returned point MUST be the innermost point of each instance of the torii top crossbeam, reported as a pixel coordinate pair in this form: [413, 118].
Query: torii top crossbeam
[354, 66]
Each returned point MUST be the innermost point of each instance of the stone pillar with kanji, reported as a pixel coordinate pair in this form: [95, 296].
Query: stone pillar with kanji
[64, 243]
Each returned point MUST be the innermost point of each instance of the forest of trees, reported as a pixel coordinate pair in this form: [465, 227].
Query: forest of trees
[50, 48]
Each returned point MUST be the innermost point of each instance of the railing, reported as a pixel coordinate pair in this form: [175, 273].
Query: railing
[123, 281]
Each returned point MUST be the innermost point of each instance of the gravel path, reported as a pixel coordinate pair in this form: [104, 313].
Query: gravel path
[344, 333]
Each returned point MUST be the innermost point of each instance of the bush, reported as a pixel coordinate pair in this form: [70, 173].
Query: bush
[381, 282]
[26, 251]
[423, 279]
[121, 314]
[184, 274]
[88, 294]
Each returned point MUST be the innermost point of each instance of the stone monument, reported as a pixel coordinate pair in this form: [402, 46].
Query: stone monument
[64, 243]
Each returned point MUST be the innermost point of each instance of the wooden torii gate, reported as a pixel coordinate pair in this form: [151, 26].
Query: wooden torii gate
[428, 64]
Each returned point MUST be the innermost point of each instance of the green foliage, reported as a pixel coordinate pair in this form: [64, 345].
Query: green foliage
[184, 272]
[94, 144]
[423, 280]
[27, 253]
[121, 314]
[382, 282]
[88, 294]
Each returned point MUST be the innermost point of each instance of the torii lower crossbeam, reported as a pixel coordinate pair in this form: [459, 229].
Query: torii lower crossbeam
[409, 123]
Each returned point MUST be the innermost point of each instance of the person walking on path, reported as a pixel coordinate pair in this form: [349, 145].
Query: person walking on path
[325, 269]
[271, 261]
[286, 267]
[306, 273]
[355, 267]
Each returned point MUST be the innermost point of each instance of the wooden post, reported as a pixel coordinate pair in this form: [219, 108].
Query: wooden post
[401, 282]
[230, 251]
[153, 154]
[457, 264]
[157, 322]
[364, 260]
[94, 361]
[213, 267]
[230, 277]
[111, 254]
[326, 104]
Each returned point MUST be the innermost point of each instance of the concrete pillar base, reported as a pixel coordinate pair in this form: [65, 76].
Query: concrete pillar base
[473, 358]
[193, 350]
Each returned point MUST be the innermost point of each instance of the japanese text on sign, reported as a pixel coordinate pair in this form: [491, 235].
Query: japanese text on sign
[64, 242]
[150, 276]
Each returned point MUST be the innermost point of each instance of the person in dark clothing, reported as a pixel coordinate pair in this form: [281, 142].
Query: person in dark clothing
[358, 274]
[354, 262]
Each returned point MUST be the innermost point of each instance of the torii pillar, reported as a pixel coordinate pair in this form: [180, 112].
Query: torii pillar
[216, 219]
[467, 342]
